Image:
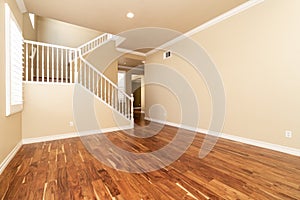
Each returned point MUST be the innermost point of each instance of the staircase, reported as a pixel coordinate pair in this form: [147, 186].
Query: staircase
[54, 64]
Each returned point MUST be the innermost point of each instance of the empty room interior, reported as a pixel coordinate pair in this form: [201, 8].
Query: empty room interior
[136, 100]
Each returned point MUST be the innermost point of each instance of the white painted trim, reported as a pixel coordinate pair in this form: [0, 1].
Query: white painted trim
[208, 24]
[49, 138]
[50, 45]
[48, 83]
[104, 102]
[131, 52]
[224, 16]
[72, 135]
[9, 157]
[105, 130]
[108, 35]
[10, 62]
[266, 145]
[137, 68]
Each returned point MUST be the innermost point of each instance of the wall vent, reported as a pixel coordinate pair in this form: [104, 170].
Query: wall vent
[167, 54]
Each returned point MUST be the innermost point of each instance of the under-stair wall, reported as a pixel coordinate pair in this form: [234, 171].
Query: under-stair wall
[49, 113]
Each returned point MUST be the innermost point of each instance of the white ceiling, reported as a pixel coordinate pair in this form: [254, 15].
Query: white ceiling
[110, 15]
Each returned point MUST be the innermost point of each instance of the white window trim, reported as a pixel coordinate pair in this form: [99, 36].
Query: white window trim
[11, 108]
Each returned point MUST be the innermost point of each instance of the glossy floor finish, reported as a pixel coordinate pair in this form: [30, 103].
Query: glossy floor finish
[64, 169]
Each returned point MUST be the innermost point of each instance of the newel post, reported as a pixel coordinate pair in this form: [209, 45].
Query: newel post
[131, 117]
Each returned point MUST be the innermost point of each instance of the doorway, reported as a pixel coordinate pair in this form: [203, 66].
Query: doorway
[138, 91]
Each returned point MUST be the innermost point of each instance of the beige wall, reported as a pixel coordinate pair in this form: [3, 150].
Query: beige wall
[48, 111]
[257, 55]
[105, 60]
[10, 127]
[29, 33]
[111, 72]
[61, 33]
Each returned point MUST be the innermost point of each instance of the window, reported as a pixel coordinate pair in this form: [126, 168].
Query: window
[32, 19]
[14, 64]
[121, 84]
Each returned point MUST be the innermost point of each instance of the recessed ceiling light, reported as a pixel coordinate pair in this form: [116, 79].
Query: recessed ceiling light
[143, 62]
[130, 15]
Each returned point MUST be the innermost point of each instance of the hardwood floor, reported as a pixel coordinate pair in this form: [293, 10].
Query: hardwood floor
[64, 169]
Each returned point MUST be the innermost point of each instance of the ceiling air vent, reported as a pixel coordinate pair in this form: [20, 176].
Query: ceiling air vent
[167, 54]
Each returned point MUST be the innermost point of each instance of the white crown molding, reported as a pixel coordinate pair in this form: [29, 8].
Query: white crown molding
[9, 157]
[266, 145]
[137, 68]
[208, 24]
[131, 52]
[220, 18]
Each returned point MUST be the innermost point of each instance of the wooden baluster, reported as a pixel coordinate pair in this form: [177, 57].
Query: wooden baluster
[108, 93]
[66, 65]
[43, 63]
[89, 78]
[48, 58]
[131, 107]
[84, 75]
[101, 88]
[71, 66]
[93, 74]
[31, 62]
[27, 60]
[122, 103]
[62, 65]
[52, 64]
[37, 62]
[57, 64]
[105, 90]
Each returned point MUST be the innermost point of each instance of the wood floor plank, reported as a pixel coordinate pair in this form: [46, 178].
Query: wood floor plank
[66, 169]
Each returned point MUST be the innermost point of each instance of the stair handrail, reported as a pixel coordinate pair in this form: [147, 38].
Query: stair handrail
[47, 55]
[103, 76]
[73, 55]
[126, 106]
[49, 45]
[92, 44]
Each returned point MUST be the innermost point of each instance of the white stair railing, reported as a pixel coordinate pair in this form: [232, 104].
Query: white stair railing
[105, 89]
[95, 43]
[49, 63]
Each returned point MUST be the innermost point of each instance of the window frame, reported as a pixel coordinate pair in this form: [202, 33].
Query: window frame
[12, 64]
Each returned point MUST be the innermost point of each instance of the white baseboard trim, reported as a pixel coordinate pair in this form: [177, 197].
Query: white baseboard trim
[105, 130]
[72, 135]
[9, 157]
[49, 138]
[266, 145]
